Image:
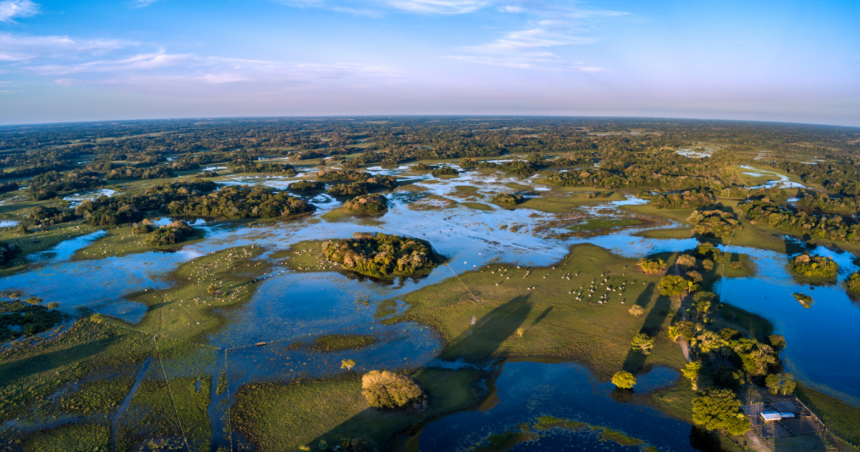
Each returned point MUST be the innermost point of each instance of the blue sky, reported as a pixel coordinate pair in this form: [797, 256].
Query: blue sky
[796, 61]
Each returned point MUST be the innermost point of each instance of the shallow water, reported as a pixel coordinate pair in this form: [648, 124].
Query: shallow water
[528, 390]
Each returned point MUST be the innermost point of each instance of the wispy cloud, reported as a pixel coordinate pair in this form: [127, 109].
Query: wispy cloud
[14, 47]
[70, 61]
[143, 3]
[439, 6]
[549, 25]
[11, 9]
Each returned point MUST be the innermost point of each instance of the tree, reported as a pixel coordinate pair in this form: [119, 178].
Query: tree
[384, 389]
[651, 265]
[624, 380]
[702, 302]
[777, 342]
[672, 285]
[347, 364]
[643, 343]
[692, 371]
[53, 305]
[780, 383]
[34, 300]
[719, 409]
[686, 261]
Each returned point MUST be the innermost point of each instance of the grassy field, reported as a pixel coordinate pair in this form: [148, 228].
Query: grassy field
[552, 322]
[281, 416]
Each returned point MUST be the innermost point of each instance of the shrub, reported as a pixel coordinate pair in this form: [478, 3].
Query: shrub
[853, 282]
[444, 171]
[508, 199]
[384, 389]
[651, 265]
[623, 380]
[304, 185]
[367, 204]
[168, 235]
[8, 252]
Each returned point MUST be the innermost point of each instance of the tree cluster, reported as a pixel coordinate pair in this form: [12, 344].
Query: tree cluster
[382, 255]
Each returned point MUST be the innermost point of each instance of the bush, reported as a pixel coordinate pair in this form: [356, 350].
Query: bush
[384, 389]
[8, 252]
[444, 171]
[168, 235]
[651, 265]
[853, 282]
[623, 380]
[814, 266]
[304, 185]
[367, 204]
[508, 199]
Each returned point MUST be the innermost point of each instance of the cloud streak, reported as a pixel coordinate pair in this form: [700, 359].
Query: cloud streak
[550, 25]
[11, 9]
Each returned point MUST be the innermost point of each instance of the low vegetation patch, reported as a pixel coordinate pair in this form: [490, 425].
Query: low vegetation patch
[338, 342]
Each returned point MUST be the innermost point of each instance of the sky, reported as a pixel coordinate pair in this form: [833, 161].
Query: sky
[788, 61]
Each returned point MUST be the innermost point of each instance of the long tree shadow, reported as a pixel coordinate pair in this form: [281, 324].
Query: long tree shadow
[478, 344]
[635, 360]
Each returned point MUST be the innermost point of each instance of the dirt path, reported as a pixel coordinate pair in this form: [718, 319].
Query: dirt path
[685, 348]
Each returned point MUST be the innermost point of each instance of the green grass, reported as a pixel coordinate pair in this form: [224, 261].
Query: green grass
[840, 417]
[675, 233]
[554, 324]
[342, 214]
[120, 242]
[478, 206]
[86, 437]
[280, 416]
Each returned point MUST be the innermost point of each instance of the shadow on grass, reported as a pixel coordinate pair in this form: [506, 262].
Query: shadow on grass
[635, 360]
[483, 339]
